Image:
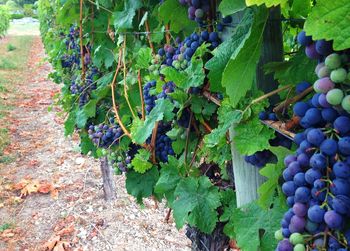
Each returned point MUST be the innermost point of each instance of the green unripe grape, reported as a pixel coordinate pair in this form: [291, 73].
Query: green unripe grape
[113, 155]
[158, 58]
[152, 67]
[339, 75]
[296, 238]
[299, 247]
[155, 72]
[104, 152]
[180, 57]
[346, 103]
[347, 80]
[153, 61]
[335, 96]
[183, 136]
[324, 71]
[333, 61]
[184, 64]
[120, 158]
[129, 165]
[115, 165]
[279, 235]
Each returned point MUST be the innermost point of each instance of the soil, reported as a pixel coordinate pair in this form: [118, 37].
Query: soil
[51, 196]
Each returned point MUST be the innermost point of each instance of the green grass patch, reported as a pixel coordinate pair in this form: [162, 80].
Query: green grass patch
[13, 63]
[5, 226]
[11, 47]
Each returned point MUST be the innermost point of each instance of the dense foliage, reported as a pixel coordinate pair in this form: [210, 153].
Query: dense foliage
[4, 21]
[155, 86]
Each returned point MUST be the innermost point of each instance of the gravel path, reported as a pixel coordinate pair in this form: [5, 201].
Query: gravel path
[66, 211]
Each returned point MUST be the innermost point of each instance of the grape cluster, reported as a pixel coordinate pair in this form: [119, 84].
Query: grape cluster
[179, 55]
[105, 135]
[72, 57]
[150, 98]
[198, 10]
[163, 143]
[120, 163]
[261, 158]
[317, 177]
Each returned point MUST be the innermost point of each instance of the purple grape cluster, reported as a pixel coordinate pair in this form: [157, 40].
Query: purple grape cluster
[163, 143]
[179, 55]
[150, 98]
[105, 135]
[317, 177]
[198, 10]
[261, 158]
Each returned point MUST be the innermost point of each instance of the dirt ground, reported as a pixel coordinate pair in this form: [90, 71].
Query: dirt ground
[51, 197]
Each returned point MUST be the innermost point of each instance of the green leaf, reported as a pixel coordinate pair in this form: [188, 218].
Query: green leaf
[86, 144]
[140, 162]
[272, 172]
[144, 57]
[141, 185]
[196, 203]
[69, 124]
[141, 130]
[88, 111]
[171, 11]
[268, 3]
[171, 74]
[226, 120]
[298, 68]
[123, 19]
[240, 72]
[228, 7]
[103, 55]
[222, 54]
[252, 129]
[300, 8]
[330, 20]
[169, 178]
[228, 200]
[255, 227]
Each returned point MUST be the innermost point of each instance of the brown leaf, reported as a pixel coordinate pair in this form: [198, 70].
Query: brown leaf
[45, 187]
[51, 243]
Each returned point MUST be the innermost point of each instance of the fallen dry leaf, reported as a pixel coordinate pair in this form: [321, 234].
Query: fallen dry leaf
[51, 243]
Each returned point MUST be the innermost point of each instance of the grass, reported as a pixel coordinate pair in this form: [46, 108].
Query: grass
[14, 52]
[5, 226]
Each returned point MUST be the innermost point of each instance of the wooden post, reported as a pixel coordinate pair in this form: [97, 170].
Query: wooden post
[108, 181]
[247, 177]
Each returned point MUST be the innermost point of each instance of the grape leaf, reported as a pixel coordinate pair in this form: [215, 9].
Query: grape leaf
[228, 200]
[330, 20]
[252, 129]
[88, 111]
[298, 68]
[141, 130]
[226, 120]
[169, 178]
[141, 185]
[171, 74]
[69, 124]
[254, 227]
[86, 144]
[144, 57]
[222, 54]
[123, 19]
[228, 7]
[196, 203]
[140, 161]
[272, 172]
[171, 11]
[300, 8]
[268, 3]
[103, 55]
[240, 72]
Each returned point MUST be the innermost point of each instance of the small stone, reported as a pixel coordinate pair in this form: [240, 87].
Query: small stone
[89, 210]
[79, 161]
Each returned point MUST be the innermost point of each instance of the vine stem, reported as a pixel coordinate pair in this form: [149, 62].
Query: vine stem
[125, 87]
[149, 37]
[167, 34]
[115, 108]
[141, 94]
[81, 41]
[167, 217]
[208, 95]
[153, 142]
[287, 102]
[206, 126]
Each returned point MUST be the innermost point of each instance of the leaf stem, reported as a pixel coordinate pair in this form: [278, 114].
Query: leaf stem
[115, 108]
[287, 102]
[125, 85]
